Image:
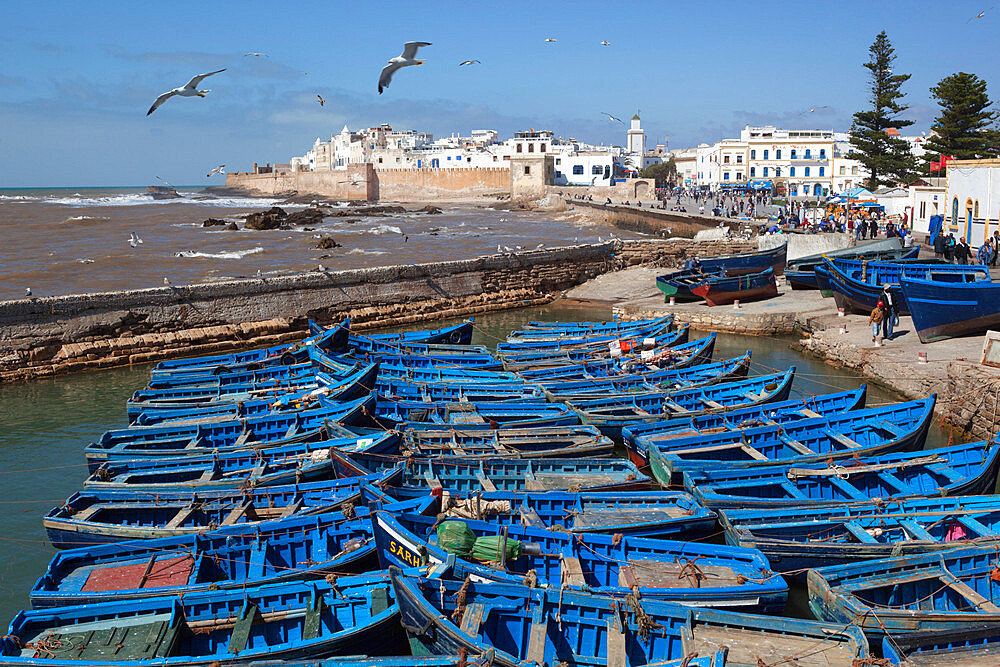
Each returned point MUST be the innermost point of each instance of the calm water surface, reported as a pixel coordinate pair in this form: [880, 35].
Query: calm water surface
[46, 423]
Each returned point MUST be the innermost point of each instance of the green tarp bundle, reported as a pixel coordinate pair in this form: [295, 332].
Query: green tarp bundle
[457, 538]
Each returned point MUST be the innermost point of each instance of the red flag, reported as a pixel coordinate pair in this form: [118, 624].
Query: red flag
[935, 166]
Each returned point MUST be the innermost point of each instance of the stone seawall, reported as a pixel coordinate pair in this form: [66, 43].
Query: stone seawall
[652, 221]
[40, 337]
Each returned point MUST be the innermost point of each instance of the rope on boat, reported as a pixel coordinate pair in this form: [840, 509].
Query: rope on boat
[643, 620]
[456, 616]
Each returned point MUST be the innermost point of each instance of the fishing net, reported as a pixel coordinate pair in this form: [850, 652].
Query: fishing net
[491, 549]
[457, 538]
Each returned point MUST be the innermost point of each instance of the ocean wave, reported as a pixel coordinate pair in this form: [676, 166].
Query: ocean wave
[384, 229]
[232, 254]
[362, 251]
[142, 199]
[81, 218]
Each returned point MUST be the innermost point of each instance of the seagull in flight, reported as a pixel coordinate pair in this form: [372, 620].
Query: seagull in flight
[322, 102]
[605, 43]
[255, 54]
[354, 182]
[190, 89]
[549, 39]
[407, 58]
[221, 169]
[469, 62]
[613, 118]
[134, 240]
[813, 109]
[979, 15]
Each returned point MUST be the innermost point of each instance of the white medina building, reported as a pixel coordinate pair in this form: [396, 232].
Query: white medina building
[973, 199]
[635, 144]
[583, 168]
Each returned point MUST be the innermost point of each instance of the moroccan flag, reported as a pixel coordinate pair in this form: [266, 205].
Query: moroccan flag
[935, 166]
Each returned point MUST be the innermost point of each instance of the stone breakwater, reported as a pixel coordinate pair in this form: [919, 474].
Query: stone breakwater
[46, 336]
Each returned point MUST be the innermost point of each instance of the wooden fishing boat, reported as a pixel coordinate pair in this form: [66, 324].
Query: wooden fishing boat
[418, 415]
[565, 343]
[456, 334]
[299, 619]
[749, 262]
[465, 660]
[143, 398]
[457, 361]
[722, 576]
[870, 432]
[276, 373]
[943, 310]
[946, 590]
[531, 626]
[718, 291]
[946, 471]
[360, 345]
[537, 442]
[103, 516]
[298, 547]
[460, 392]
[780, 412]
[823, 281]
[800, 273]
[679, 284]
[627, 350]
[272, 429]
[332, 339]
[585, 326]
[809, 537]
[970, 645]
[619, 329]
[658, 514]
[859, 289]
[287, 464]
[665, 380]
[612, 413]
[462, 477]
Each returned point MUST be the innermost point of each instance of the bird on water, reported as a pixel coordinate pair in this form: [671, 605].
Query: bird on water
[189, 89]
[406, 59]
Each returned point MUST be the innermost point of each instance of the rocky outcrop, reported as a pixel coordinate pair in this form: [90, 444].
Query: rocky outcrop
[214, 222]
[328, 242]
[270, 219]
[429, 210]
[308, 216]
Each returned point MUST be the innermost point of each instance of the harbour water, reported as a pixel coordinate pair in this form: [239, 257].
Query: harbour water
[67, 241]
[46, 424]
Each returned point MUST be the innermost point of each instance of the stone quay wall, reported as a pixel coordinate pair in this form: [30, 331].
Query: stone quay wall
[46, 336]
[670, 253]
[652, 221]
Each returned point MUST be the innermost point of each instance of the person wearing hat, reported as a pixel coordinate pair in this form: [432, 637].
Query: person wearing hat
[891, 318]
[875, 319]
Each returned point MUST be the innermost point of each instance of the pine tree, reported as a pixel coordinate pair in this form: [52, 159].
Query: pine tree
[966, 127]
[887, 158]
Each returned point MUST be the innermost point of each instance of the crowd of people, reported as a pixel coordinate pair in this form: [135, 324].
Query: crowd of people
[959, 252]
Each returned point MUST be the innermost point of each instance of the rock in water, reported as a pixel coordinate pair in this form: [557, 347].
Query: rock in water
[309, 216]
[430, 210]
[327, 242]
[270, 219]
[214, 222]
[233, 227]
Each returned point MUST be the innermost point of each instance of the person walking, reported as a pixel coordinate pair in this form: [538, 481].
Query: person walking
[962, 252]
[875, 319]
[996, 248]
[949, 249]
[939, 243]
[862, 227]
[888, 301]
[873, 228]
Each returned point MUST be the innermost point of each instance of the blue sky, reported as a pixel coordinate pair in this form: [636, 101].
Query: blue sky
[76, 78]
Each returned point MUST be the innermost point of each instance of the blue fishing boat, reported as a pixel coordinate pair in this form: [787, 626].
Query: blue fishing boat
[234, 434]
[625, 351]
[360, 345]
[946, 590]
[800, 273]
[612, 413]
[219, 393]
[563, 343]
[870, 432]
[537, 442]
[462, 477]
[859, 288]
[287, 464]
[721, 290]
[943, 310]
[456, 334]
[971, 645]
[485, 362]
[946, 471]
[458, 392]
[665, 380]
[545, 626]
[234, 556]
[658, 514]
[823, 281]
[465, 660]
[294, 620]
[708, 575]
[103, 516]
[780, 412]
[678, 284]
[749, 262]
[809, 537]
[472, 416]
[332, 339]
[264, 375]
[619, 329]
[537, 325]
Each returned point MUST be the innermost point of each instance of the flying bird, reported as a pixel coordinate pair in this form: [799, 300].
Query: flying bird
[813, 109]
[469, 62]
[549, 39]
[322, 102]
[979, 15]
[354, 182]
[221, 169]
[190, 89]
[605, 43]
[27, 291]
[612, 118]
[255, 53]
[134, 240]
[407, 58]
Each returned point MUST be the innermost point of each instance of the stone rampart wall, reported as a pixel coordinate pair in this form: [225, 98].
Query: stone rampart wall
[652, 221]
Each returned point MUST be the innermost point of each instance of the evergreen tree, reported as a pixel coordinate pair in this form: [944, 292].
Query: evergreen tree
[966, 127]
[887, 158]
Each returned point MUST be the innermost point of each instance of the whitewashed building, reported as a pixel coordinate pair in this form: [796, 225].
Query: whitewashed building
[584, 168]
[973, 199]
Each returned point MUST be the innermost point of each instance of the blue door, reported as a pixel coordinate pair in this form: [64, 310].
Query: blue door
[817, 190]
[968, 224]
